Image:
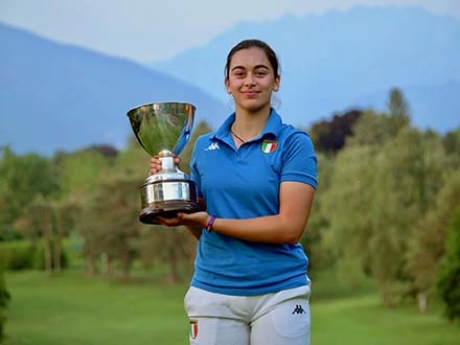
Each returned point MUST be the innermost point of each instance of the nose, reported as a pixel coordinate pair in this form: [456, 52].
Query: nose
[249, 79]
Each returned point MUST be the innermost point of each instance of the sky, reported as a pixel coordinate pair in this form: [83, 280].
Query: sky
[148, 31]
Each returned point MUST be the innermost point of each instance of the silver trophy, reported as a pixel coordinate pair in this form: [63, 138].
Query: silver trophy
[164, 129]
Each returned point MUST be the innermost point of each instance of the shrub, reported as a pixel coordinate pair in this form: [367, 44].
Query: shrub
[39, 259]
[16, 255]
[4, 299]
[9, 234]
[22, 255]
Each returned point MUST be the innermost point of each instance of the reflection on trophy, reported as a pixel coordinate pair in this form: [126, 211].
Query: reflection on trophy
[164, 129]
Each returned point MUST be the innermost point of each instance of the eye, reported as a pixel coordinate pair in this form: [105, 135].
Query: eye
[239, 74]
[261, 73]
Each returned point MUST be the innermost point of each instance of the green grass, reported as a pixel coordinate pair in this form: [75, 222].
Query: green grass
[362, 320]
[72, 310]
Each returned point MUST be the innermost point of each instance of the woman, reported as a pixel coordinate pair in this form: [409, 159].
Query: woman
[256, 178]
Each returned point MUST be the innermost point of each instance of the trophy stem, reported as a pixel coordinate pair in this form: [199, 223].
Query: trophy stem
[167, 163]
[167, 192]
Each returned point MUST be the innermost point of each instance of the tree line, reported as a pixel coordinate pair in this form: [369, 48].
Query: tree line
[387, 207]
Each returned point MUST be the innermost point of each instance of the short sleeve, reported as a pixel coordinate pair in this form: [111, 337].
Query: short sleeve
[299, 161]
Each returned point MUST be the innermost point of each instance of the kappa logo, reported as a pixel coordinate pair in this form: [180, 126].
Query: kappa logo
[213, 146]
[299, 310]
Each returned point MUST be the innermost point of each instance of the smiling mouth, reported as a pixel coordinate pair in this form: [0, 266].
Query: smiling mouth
[251, 93]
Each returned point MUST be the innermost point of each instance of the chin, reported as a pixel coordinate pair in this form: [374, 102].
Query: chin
[254, 108]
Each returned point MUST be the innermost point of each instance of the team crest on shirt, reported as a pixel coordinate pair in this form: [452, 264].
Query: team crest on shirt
[268, 146]
[193, 328]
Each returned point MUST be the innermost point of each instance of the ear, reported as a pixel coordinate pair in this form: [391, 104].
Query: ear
[276, 85]
[227, 86]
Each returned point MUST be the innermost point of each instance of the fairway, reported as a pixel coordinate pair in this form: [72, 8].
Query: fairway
[74, 310]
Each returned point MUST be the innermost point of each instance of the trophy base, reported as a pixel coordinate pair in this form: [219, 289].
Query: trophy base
[166, 209]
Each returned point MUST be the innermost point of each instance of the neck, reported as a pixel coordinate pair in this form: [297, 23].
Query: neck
[248, 125]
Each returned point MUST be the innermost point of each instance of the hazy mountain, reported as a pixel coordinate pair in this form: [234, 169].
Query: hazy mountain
[341, 60]
[61, 97]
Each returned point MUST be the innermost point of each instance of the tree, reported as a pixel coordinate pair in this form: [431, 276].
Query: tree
[383, 183]
[171, 246]
[429, 247]
[319, 255]
[449, 278]
[22, 177]
[451, 142]
[347, 204]
[37, 222]
[372, 128]
[398, 110]
[87, 229]
[50, 221]
[330, 136]
[410, 173]
[64, 215]
[106, 150]
[109, 225]
[80, 173]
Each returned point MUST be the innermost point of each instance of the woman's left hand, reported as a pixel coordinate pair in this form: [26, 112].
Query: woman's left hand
[193, 219]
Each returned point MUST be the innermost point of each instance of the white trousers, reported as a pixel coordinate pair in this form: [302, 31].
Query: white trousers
[281, 318]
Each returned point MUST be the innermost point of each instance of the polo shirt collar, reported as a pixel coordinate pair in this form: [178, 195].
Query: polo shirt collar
[273, 126]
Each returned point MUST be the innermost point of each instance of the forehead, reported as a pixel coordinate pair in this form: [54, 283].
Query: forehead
[249, 57]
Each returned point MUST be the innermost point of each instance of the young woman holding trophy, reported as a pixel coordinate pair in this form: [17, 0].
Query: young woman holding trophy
[256, 178]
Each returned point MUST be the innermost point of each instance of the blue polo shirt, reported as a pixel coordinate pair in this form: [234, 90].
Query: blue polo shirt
[244, 183]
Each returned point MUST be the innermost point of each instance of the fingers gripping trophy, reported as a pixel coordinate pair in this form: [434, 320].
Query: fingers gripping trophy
[163, 129]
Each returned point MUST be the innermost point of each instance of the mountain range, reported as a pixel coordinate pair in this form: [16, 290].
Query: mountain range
[63, 97]
[57, 97]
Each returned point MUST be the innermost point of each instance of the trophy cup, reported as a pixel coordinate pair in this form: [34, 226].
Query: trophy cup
[164, 129]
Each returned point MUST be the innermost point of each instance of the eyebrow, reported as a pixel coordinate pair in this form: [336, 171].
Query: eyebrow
[255, 67]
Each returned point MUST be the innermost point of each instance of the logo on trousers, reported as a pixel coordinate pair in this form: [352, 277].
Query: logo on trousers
[193, 328]
[299, 310]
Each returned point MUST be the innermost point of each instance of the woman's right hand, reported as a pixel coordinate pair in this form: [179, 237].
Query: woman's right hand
[155, 164]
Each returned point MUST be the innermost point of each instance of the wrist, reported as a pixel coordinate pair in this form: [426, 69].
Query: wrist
[211, 220]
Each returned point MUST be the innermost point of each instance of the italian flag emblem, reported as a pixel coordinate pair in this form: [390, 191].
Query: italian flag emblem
[269, 146]
[193, 329]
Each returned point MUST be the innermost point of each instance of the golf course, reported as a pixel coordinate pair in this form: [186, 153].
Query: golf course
[71, 309]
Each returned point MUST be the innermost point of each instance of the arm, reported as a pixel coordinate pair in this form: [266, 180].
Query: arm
[287, 226]
[295, 201]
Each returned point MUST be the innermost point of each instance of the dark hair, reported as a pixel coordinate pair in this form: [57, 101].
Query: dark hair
[254, 43]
